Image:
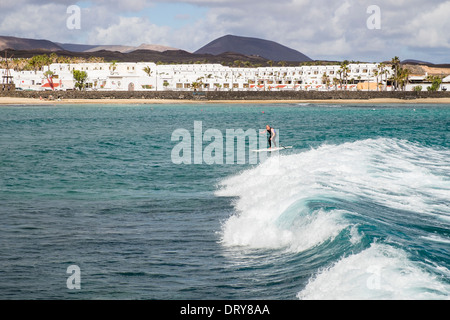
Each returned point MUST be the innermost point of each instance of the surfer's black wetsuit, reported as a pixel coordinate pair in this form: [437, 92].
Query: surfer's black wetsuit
[270, 135]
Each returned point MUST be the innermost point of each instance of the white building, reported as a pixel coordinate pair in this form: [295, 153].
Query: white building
[107, 76]
[143, 76]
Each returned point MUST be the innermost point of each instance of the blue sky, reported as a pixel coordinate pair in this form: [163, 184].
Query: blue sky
[321, 29]
[175, 15]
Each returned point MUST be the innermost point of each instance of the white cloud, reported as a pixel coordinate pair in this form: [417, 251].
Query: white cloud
[138, 30]
[321, 29]
[34, 21]
[431, 28]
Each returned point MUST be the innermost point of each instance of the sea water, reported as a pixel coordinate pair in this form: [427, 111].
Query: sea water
[358, 209]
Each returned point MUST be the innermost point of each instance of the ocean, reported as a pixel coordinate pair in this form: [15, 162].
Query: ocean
[94, 206]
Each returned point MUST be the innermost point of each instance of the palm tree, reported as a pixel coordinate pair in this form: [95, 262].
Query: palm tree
[403, 77]
[376, 73]
[53, 57]
[113, 66]
[325, 80]
[340, 77]
[38, 62]
[335, 82]
[385, 72]
[344, 70]
[197, 84]
[381, 71]
[147, 70]
[396, 66]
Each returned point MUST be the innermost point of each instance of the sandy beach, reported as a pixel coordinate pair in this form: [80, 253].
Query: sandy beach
[31, 101]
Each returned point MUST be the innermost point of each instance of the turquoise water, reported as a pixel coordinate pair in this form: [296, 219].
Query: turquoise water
[358, 209]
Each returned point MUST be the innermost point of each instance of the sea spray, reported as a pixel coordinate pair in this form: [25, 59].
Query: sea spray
[305, 190]
[379, 272]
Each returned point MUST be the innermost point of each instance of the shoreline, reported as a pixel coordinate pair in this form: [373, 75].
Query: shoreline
[5, 101]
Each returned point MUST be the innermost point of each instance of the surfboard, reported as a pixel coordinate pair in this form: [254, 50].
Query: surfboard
[272, 149]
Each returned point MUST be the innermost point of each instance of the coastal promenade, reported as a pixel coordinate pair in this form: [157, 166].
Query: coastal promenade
[30, 97]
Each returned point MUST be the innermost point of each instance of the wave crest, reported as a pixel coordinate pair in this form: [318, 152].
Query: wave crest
[380, 272]
[292, 201]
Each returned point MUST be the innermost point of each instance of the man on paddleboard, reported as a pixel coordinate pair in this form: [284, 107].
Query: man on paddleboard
[271, 137]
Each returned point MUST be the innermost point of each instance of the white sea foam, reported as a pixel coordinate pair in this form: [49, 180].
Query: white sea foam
[272, 198]
[380, 272]
[271, 210]
[437, 238]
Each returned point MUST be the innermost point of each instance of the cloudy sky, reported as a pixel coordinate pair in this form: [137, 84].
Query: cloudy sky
[321, 29]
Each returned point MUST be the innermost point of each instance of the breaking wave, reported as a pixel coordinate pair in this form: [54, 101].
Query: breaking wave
[363, 193]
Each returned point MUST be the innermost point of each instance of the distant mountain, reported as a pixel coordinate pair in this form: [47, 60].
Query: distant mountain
[27, 48]
[27, 44]
[170, 56]
[119, 48]
[412, 61]
[73, 47]
[15, 43]
[253, 47]
[154, 47]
